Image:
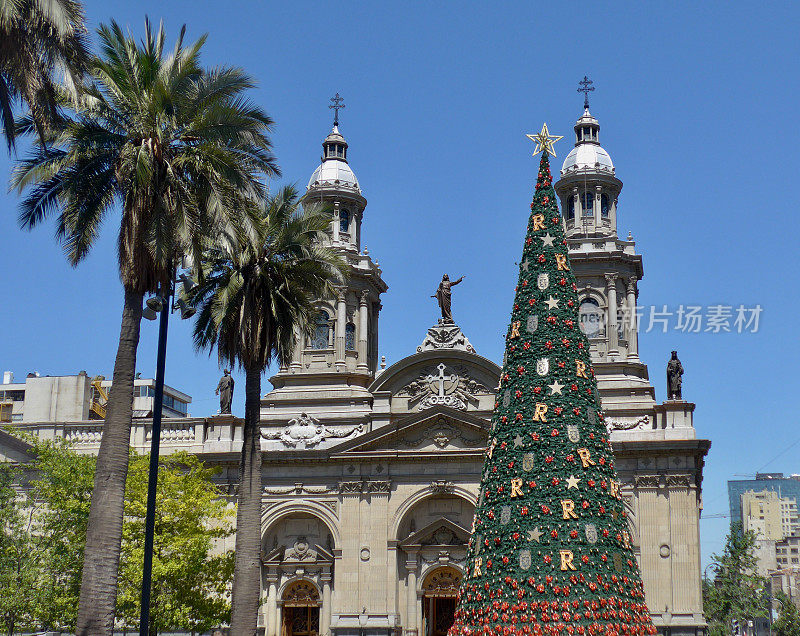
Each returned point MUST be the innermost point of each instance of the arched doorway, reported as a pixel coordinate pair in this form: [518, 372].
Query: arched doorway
[300, 610]
[439, 592]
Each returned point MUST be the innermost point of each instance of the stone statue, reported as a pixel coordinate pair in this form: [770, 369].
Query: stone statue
[225, 392]
[444, 295]
[674, 379]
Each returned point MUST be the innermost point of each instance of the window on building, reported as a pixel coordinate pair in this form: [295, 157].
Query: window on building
[321, 337]
[604, 207]
[591, 317]
[571, 208]
[588, 204]
[344, 221]
[350, 336]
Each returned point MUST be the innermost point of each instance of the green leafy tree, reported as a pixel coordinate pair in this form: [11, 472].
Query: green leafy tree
[19, 571]
[191, 574]
[737, 592]
[256, 295]
[61, 490]
[550, 551]
[170, 143]
[37, 39]
[788, 623]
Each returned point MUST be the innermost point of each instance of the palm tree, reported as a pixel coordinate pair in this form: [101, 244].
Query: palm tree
[256, 296]
[171, 143]
[37, 38]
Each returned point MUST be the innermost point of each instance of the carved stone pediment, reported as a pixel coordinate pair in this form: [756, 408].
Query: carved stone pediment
[300, 552]
[440, 533]
[441, 434]
[443, 385]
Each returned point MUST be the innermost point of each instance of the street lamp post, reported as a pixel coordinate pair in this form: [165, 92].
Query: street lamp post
[165, 302]
[152, 476]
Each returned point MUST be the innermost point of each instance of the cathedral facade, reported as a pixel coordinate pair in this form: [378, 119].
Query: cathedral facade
[371, 474]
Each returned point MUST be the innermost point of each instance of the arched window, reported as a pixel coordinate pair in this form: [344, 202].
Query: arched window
[344, 221]
[591, 317]
[604, 206]
[320, 339]
[350, 336]
[571, 207]
[588, 204]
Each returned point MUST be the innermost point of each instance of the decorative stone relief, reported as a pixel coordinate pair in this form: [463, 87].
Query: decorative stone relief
[445, 335]
[366, 487]
[441, 486]
[306, 431]
[298, 489]
[445, 386]
[627, 426]
[300, 551]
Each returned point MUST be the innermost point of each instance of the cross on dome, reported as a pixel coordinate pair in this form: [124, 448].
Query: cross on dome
[336, 103]
[585, 88]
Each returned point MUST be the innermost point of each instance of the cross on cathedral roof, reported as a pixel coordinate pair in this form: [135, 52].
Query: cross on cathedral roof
[336, 103]
[585, 88]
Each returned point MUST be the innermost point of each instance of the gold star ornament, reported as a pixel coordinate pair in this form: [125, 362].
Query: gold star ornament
[544, 141]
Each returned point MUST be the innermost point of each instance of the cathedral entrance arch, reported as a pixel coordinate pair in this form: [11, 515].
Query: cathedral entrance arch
[439, 593]
[300, 609]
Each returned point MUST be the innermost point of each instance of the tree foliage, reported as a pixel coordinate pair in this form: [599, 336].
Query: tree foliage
[44, 519]
[737, 592]
[37, 39]
[190, 579]
[788, 623]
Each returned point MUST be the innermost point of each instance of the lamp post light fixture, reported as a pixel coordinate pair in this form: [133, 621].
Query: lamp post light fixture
[157, 306]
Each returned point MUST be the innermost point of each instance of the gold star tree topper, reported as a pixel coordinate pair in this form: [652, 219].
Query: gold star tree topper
[544, 141]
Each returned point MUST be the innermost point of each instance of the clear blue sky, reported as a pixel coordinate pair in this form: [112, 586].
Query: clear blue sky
[697, 105]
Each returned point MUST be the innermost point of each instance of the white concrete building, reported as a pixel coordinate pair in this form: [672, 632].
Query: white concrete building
[75, 398]
[371, 474]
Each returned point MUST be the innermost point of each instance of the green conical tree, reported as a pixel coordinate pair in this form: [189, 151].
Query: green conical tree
[550, 552]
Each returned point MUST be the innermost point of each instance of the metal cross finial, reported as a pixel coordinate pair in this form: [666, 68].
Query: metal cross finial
[586, 88]
[336, 103]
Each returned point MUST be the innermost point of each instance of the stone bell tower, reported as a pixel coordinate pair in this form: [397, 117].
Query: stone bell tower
[331, 369]
[607, 269]
[657, 454]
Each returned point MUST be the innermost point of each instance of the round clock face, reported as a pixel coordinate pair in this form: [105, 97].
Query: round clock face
[591, 317]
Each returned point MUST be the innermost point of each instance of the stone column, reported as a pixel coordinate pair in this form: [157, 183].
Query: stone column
[363, 325]
[278, 629]
[611, 295]
[577, 207]
[355, 224]
[341, 321]
[612, 214]
[598, 221]
[633, 321]
[271, 627]
[297, 354]
[325, 618]
[411, 599]
[336, 222]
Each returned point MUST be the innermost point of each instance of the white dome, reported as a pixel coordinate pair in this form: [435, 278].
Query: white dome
[588, 156]
[333, 172]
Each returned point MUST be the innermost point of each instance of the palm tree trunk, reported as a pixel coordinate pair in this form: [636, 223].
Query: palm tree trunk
[247, 564]
[104, 532]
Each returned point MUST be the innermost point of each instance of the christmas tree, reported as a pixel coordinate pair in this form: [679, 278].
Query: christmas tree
[550, 552]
